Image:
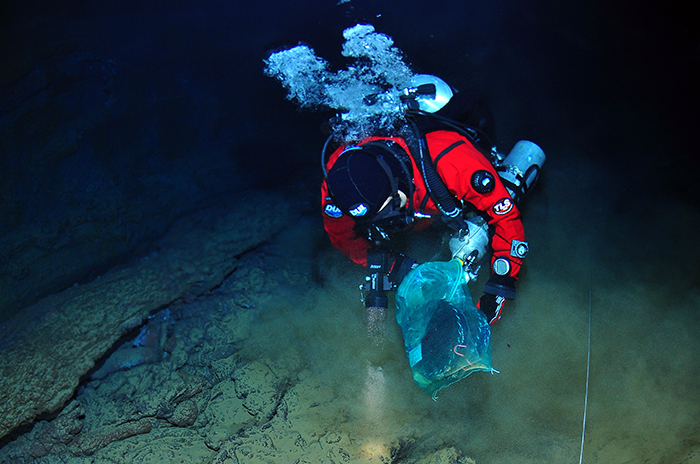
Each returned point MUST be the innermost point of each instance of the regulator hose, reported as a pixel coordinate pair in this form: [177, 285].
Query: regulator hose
[445, 201]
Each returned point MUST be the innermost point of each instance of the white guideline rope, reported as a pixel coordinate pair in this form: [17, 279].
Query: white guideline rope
[588, 370]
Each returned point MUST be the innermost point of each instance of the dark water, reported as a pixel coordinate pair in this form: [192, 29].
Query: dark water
[608, 89]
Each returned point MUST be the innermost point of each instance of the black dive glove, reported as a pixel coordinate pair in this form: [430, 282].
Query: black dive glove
[399, 267]
[496, 291]
[394, 266]
[386, 272]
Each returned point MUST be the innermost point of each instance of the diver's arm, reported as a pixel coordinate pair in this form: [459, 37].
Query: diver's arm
[457, 169]
[341, 232]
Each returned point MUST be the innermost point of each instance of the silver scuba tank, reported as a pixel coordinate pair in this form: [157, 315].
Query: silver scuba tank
[521, 168]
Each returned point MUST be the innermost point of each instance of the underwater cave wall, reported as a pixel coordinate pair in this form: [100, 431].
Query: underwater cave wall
[110, 129]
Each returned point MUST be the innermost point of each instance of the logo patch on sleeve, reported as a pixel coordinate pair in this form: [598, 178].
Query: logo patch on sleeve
[359, 210]
[503, 206]
[332, 210]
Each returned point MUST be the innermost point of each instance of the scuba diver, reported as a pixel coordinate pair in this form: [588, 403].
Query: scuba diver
[441, 165]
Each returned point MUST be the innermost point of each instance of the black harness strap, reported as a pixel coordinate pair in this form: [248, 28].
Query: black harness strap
[447, 150]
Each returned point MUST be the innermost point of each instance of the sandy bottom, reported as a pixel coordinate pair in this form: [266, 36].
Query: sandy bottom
[276, 365]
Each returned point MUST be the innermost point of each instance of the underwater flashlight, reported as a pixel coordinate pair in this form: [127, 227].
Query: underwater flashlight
[377, 281]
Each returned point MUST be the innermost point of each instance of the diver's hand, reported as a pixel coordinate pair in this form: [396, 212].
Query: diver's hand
[496, 291]
[399, 267]
[491, 305]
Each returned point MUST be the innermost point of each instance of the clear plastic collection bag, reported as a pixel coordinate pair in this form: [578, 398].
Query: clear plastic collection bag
[445, 336]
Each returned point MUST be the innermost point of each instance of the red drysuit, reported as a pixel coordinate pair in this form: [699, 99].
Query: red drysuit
[456, 168]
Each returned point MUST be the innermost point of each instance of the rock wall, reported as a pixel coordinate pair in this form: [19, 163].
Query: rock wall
[47, 347]
[93, 165]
